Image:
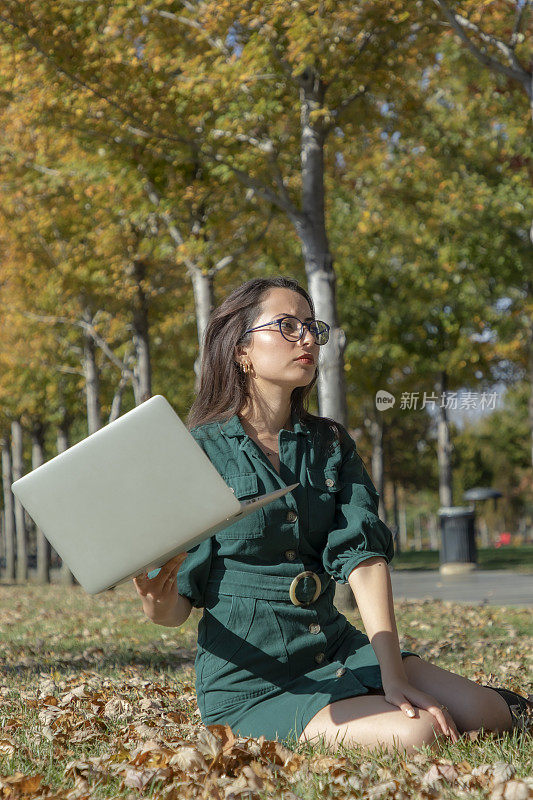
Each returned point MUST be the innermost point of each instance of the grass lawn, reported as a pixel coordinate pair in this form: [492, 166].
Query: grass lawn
[96, 701]
[517, 559]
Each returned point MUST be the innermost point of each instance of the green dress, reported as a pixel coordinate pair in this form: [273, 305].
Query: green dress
[264, 664]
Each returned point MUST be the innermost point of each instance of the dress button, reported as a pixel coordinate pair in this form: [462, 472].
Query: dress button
[292, 516]
[314, 627]
[290, 555]
[329, 481]
[340, 672]
[319, 658]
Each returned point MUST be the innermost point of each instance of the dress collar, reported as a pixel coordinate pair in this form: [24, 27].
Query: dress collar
[233, 426]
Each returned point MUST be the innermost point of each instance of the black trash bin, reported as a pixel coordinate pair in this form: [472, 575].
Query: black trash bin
[458, 541]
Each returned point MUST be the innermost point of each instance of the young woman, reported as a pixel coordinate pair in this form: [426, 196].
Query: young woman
[274, 655]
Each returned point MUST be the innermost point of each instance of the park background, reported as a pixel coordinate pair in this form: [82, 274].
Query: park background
[155, 156]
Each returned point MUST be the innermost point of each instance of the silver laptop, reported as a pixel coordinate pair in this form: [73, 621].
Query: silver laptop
[131, 496]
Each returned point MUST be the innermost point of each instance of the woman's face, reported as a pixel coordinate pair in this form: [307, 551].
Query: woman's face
[271, 356]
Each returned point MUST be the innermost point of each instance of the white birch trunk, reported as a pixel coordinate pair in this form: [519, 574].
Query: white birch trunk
[310, 225]
[92, 379]
[311, 228]
[43, 545]
[62, 442]
[204, 302]
[9, 510]
[20, 526]
[116, 403]
[375, 425]
[141, 335]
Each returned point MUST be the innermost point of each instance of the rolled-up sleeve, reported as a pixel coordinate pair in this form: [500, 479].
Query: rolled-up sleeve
[358, 533]
[194, 572]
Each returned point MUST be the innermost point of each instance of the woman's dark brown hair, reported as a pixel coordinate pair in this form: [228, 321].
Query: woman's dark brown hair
[222, 392]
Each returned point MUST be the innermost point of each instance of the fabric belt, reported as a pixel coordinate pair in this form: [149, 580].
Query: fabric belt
[268, 587]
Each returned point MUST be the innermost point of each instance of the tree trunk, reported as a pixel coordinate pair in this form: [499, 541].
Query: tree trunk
[117, 399]
[43, 545]
[444, 445]
[522, 75]
[530, 378]
[375, 425]
[403, 524]
[395, 511]
[141, 336]
[310, 226]
[20, 527]
[65, 575]
[433, 533]
[484, 533]
[92, 380]
[9, 510]
[418, 533]
[204, 302]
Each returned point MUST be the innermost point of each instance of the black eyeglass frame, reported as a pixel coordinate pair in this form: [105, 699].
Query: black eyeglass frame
[302, 326]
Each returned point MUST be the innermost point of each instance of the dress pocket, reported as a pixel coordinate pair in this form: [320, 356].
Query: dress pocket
[222, 632]
[323, 483]
[245, 487]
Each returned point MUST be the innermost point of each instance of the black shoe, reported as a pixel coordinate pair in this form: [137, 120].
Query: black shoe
[521, 708]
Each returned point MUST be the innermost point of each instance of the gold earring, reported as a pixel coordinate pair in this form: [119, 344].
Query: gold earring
[246, 368]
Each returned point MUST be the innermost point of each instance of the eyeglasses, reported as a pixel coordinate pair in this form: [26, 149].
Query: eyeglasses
[292, 329]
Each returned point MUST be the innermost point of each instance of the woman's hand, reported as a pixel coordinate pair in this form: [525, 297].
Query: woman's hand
[400, 693]
[161, 601]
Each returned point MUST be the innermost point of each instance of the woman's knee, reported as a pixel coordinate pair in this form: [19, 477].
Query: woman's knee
[421, 730]
[372, 722]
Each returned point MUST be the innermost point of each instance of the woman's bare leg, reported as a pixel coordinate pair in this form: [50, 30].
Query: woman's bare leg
[369, 720]
[472, 706]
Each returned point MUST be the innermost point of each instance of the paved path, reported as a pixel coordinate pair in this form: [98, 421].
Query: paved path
[483, 587]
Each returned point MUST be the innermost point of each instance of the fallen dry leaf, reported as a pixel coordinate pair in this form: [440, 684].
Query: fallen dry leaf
[440, 772]
[512, 790]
